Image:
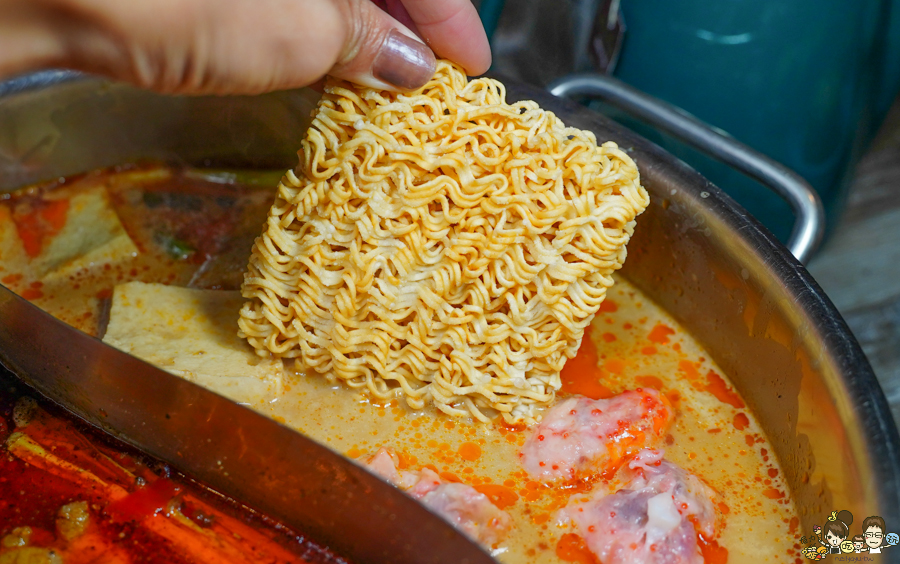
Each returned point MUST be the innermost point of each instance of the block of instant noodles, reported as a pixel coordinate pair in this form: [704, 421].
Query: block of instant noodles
[443, 246]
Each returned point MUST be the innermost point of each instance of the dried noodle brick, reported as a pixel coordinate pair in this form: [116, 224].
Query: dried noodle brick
[442, 244]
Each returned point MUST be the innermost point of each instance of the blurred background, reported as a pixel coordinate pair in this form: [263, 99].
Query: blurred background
[810, 83]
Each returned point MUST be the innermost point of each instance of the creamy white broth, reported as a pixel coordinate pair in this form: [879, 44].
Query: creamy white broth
[636, 343]
[704, 439]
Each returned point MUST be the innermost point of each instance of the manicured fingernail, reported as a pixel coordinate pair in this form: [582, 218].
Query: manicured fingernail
[404, 62]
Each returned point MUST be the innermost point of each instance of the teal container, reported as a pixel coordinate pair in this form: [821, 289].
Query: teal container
[806, 82]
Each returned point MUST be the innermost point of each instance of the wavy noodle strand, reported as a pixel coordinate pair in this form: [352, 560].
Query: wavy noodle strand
[443, 245]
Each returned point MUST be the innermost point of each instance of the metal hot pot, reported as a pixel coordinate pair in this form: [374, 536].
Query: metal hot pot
[754, 307]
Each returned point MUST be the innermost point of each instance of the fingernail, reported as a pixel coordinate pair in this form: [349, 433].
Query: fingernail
[403, 62]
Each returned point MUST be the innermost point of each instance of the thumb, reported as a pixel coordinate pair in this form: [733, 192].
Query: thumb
[379, 51]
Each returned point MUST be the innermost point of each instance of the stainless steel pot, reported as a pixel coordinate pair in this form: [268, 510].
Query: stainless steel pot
[758, 312]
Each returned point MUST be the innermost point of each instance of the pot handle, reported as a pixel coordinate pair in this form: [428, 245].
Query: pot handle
[803, 199]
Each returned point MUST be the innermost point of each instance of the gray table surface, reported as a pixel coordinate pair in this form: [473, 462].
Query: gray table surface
[859, 266]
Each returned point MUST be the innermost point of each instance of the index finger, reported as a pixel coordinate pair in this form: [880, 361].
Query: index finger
[453, 30]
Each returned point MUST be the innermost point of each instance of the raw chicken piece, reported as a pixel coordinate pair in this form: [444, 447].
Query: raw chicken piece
[465, 508]
[655, 519]
[383, 464]
[428, 482]
[584, 436]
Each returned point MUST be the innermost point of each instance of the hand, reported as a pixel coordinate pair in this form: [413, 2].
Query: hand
[242, 46]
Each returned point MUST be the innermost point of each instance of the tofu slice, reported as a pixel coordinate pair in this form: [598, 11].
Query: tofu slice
[13, 258]
[193, 334]
[92, 236]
